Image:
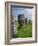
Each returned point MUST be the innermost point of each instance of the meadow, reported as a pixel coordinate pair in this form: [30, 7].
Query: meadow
[24, 31]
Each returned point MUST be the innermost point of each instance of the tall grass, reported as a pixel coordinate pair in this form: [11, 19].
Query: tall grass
[24, 31]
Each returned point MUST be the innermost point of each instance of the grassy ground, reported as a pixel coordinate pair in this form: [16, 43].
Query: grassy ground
[24, 31]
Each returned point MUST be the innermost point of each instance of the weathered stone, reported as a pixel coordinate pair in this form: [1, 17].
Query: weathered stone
[25, 21]
[21, 19]
[13, 26]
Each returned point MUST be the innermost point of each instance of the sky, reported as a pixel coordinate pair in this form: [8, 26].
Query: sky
[16, 10]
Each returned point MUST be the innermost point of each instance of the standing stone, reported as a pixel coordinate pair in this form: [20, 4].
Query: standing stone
[14, 29]
[25, 21]
[29, 21]
[21, 19]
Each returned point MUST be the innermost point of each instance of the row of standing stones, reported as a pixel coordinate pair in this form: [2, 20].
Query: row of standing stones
[22, 20]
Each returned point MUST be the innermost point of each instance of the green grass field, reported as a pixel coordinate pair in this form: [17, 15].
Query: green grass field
[24, 31]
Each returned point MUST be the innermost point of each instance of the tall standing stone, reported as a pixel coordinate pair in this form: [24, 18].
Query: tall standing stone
[25, 21]
[21, 19]
[13, 26]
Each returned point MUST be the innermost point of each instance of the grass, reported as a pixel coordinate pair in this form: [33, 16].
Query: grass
[24, 31]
